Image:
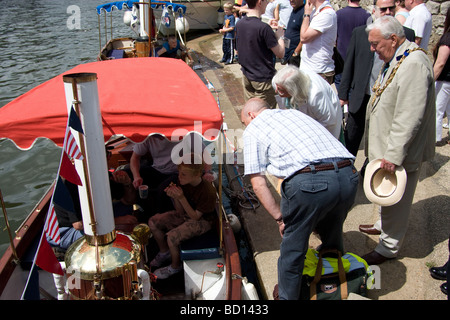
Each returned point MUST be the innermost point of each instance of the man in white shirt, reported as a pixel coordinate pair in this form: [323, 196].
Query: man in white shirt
[284, 11]
[318, 189]
[419, 20]
[318, 35]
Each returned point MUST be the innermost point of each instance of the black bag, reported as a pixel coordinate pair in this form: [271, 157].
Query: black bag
[338, 61]
[336, 285]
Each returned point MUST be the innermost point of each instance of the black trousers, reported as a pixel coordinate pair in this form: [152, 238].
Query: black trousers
[354, 129]
[448, 267]
[228, 50]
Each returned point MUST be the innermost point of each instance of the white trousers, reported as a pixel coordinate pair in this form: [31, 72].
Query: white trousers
[442, 105]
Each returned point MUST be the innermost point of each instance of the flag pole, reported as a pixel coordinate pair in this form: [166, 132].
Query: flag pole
[48, 217]
[76, 103]
[13, 248]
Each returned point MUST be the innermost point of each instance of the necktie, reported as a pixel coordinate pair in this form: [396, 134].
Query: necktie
[385, 69]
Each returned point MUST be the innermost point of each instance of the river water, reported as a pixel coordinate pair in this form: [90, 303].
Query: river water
[40, 39]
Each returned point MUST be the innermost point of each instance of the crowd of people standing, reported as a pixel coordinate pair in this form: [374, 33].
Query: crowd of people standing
[386, 72]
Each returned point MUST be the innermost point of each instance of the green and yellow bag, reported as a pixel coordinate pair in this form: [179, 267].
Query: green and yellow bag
[329, 275]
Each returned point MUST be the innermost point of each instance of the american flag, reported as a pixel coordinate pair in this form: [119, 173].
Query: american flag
[45, 258]
[51, 226]
[71, 147]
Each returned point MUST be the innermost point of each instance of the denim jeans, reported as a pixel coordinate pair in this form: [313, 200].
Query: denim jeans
[68, 235]
[319, 200]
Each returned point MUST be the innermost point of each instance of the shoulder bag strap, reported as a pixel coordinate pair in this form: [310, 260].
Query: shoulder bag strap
[318, 275]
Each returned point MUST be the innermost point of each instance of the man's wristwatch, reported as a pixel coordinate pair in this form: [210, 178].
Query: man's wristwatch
[306, 15]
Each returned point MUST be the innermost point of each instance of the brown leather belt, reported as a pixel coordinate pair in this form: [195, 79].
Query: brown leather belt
[326, 166]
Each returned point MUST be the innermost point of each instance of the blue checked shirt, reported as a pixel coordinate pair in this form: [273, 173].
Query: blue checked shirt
[282, 142]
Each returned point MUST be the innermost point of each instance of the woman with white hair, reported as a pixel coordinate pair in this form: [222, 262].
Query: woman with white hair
[310, 94]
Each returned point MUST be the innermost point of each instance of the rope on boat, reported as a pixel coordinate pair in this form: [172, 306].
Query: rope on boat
[217, 272]
[246, 194]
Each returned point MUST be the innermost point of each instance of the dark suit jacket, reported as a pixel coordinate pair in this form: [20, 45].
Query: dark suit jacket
[358, 67]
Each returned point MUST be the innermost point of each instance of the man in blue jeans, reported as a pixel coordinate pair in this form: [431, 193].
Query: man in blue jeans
[318, 189]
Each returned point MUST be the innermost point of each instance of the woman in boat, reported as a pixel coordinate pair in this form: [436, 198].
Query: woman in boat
[124, 197]
[69, 216]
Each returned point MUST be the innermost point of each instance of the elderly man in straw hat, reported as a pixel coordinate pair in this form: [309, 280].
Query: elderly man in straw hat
[399, 123]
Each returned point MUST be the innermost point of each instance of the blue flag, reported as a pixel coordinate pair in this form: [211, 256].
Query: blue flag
[74, 121]
[62, 197]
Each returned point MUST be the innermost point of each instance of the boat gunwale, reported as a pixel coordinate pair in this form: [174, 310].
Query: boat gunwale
[25, 235]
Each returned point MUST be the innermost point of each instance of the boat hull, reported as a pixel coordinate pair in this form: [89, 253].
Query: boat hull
[200, 15]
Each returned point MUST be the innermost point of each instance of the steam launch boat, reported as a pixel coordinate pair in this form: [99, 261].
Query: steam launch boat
[108, 264]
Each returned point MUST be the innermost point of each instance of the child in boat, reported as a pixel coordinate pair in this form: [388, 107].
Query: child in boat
[194, 202]
[174, 49]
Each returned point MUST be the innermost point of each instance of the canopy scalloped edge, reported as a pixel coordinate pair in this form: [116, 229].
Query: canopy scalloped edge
[157, 102]
[113, 137]
[128, 4]
[108, 7]
[31, 146]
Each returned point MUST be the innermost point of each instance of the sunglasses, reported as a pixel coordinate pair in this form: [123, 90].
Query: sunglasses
[385, 9]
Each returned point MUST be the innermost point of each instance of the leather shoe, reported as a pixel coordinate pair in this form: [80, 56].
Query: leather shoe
[439, 273]
[369, 229]
[444, 288]
[374, 257]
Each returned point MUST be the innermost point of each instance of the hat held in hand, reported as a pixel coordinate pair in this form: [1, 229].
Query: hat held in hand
[382, 187]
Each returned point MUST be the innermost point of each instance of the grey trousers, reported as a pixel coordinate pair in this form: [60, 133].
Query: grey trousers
[312, 201]
[394, 219]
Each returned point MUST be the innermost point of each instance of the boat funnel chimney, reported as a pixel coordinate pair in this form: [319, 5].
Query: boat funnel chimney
[104, 262]
[95, 194]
